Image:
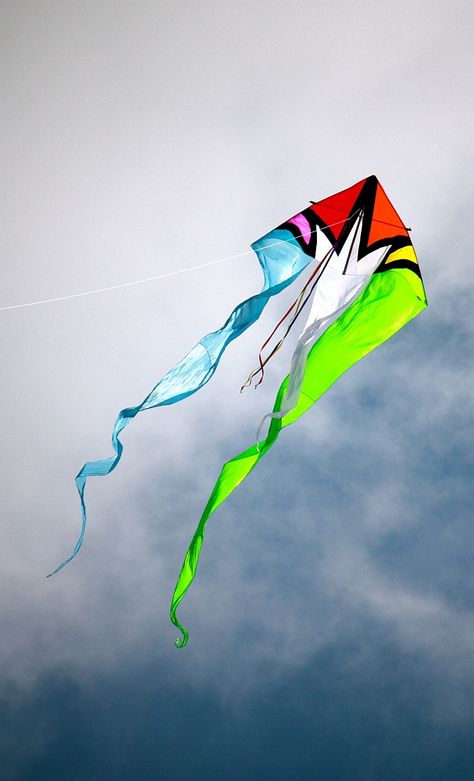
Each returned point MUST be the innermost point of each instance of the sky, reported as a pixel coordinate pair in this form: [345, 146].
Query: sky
[331, 622]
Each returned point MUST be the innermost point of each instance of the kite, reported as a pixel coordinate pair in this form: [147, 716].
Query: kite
[364, 285]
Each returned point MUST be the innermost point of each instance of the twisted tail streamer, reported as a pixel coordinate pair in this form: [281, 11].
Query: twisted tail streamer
[282, 260]
[389, 302]
[370, 289]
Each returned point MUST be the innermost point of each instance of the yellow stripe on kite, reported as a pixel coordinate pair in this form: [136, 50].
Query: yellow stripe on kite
[405, 253]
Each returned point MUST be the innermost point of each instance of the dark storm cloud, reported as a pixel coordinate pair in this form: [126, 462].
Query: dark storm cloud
[344, 715]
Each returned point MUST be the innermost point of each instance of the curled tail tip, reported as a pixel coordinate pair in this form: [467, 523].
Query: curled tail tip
[55, 571]
[63, 564]
[180, 642]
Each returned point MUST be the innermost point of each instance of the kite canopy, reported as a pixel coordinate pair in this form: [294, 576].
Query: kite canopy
[364, 285]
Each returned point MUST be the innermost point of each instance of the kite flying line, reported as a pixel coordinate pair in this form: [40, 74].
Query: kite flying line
[125, 284]
[156, 277]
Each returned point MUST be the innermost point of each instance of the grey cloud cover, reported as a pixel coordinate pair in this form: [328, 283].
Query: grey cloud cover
[332, 628]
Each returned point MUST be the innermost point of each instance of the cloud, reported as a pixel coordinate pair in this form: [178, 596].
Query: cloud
[331, 620]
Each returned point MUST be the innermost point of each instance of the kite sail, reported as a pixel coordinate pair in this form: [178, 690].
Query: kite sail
[366, 286]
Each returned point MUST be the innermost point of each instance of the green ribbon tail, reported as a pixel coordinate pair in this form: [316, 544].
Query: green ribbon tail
[390, 300]
[232, 474]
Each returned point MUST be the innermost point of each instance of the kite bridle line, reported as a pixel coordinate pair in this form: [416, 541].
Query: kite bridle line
[297, 303]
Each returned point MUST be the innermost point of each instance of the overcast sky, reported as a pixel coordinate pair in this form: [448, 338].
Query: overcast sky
[332, 625]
